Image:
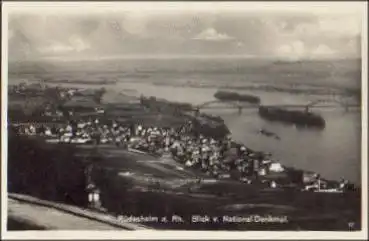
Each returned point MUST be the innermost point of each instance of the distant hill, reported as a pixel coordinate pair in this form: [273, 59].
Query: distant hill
[344, 73]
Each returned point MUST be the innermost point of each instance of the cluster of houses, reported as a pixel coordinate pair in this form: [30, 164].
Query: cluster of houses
[217, 157]
[220, 158]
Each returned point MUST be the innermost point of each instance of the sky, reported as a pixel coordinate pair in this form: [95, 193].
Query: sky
[296, 33]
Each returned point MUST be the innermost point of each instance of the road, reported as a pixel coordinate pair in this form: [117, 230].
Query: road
[32, 215]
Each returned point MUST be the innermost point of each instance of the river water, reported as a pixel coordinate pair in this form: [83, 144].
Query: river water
[333, 152]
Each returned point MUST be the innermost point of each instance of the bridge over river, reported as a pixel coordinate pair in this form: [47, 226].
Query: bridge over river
[238, 105]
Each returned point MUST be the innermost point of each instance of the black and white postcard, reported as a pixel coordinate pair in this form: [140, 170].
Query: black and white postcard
[228, 118]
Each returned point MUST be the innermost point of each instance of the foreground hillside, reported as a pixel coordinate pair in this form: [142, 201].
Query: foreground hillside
[132, 184]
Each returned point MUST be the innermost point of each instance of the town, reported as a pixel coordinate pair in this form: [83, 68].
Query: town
[216, 157]
[198, 157]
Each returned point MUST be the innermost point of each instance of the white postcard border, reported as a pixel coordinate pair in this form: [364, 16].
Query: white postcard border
[216, 6]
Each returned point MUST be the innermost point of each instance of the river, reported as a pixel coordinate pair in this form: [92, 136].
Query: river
[333, 152]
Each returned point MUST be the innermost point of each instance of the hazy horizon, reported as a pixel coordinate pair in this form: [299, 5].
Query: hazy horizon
[179, 57]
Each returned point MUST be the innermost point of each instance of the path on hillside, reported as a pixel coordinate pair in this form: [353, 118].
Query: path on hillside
[34, 212]
[51, 218]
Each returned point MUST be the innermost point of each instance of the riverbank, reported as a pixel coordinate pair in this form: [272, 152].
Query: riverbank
[147, 111]
[173, 199]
